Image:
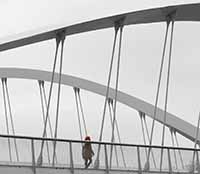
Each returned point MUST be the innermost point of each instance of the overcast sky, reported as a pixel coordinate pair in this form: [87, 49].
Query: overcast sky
[87, 55]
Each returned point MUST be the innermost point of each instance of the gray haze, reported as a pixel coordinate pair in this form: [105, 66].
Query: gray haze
[87, 55]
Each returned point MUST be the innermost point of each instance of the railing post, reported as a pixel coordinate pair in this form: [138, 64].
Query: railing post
[33, 156]
[106, 159]
[71, 158]
[169, 161]
[139, 162]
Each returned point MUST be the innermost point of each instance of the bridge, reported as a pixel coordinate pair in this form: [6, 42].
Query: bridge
[69, 160]
[26, 154]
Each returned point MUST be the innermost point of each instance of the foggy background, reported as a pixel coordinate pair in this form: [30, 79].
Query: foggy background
[87, 55]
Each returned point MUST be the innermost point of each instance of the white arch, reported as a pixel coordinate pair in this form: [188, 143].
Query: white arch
[184, 128]
[186, 12]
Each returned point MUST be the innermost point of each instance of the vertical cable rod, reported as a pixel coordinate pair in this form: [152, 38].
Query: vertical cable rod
[49, 120]
[6, 116]
[78, 113]
[58, 98]
[111, 121]
[11, 119]
[119, 137]
[147, 132]
[40, 158]
[157, 96]
[195, 142]
[173, 144]
[82, 113]
[167, 91]
[179, 151]
[116, 91]
[43, 115]
[45, 101]
[106, 98]
[143, 134]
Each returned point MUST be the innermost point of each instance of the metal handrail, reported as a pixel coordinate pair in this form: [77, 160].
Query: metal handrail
[95, 142]
[74, 164]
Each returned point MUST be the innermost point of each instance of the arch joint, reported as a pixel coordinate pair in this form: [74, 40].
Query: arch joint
[119, 23]
[76, 89]
[141, 114]
[60, 36]
[4, 79]
[172, 130]
[110, 101]
[170, 17]
[41, 82]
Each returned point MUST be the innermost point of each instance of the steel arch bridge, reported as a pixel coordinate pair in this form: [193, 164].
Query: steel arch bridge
[183, 127]
[170, 15]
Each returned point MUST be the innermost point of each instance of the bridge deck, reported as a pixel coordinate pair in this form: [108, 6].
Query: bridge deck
[28, 170]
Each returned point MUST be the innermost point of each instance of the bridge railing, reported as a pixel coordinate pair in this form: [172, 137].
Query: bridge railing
[26, 151]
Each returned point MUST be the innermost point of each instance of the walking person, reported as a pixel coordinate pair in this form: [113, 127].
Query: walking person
[87, 152]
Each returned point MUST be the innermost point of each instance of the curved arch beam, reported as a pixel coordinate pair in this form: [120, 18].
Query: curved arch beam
[184, 128]
[186, 12]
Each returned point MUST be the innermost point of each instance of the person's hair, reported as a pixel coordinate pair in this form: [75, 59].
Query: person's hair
[87, 138]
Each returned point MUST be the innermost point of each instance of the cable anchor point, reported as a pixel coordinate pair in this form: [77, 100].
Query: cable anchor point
[110, 101]
[76, 89]
[141, 114]
[60, 36]
[4, 79]
[170, 17]
[172, 130]
[119, 23]
[41, 82]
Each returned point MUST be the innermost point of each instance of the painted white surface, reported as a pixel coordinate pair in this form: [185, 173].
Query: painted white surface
[183, 127]
[188, 12]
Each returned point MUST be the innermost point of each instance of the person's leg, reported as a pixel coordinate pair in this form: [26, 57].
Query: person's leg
[90, 161]
[86, 161]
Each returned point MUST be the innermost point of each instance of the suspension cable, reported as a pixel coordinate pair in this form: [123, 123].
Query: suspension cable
[78, 113]
[43, 115]
[118, 134]
[6, 116]
[45, 101]
[11, 118]
[82, 113]
[157, 96]
[58, 39]
[116, 91]
[147, 132]
[106, 98]
[49, 120]
[195, 142]
[143, 134]
[142, 117]
[173, 144]
[111, 121]
[58, 98]
[167, 91]
[177, 144]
